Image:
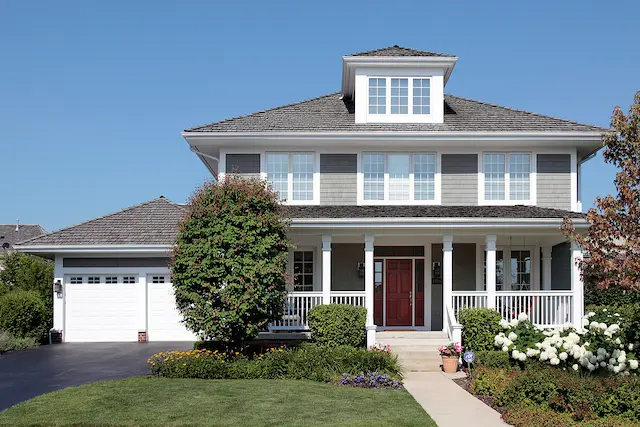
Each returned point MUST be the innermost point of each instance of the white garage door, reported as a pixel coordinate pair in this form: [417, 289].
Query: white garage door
[101, 308]
[164, 318]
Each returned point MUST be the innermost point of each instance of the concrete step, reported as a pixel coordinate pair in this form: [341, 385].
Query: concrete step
[422, 366]
[418, 355]
[386, 335]
[429, 342]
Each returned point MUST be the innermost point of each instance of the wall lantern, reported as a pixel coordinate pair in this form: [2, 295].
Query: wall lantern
[437, 270]
[57, 287]
[361, 269]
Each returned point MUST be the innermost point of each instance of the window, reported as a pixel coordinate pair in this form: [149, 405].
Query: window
[399, 96]
[377, 96]
[424, 171]
[399, 166]
[110, 280]
[499, 270]
[93, 280]
[157, 279]
[399, 176]
[392, 95]
[507, 176]
[303, 271]
[421, 96]
[291, 175]
[520, 270]
[75, 280]
[128, 279]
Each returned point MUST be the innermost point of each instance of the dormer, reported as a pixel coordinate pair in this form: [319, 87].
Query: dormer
[397, 85]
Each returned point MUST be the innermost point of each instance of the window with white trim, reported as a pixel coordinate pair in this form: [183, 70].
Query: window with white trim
[520, 269]
[507, 176]
[111, 280]
[128, 280]
[399, 176]
[392, 95]
[303, 271]
[291, 175]
[75, 280]
[92, 280]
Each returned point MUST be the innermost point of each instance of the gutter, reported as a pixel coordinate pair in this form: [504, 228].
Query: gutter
[94, 248]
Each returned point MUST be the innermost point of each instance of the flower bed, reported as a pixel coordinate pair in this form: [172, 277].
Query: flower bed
[307, 361]
[371, 380]
[600, 345]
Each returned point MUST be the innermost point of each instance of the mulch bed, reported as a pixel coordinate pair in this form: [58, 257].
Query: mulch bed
[465, 383]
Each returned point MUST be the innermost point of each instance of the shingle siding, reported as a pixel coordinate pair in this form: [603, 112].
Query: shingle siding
[244, 165]
[460, 179]
[554, 181]
[338, 179]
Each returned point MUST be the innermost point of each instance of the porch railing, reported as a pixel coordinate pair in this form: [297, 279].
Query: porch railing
[545, 308]
[348, 297]
[296, 310]
[468, 299]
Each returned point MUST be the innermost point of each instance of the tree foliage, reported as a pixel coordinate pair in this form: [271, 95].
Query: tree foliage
[230, 261]
[613, 237]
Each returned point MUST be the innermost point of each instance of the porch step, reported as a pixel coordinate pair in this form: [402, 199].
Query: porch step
[418, 335]
[417, 351]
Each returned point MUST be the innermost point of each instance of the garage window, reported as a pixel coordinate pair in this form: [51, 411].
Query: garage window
[128, 279]
[157, 279]
[93, 280]
[110, 280]
[75, 280]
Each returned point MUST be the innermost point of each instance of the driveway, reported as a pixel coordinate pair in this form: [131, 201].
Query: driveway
[29, 373]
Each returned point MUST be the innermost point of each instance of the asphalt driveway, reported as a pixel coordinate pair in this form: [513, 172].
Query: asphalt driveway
[29, 373]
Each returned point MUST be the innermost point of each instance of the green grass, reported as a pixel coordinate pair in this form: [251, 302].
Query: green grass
[256, 403]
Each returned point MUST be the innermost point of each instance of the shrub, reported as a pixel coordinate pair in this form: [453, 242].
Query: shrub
[9, 343]
[480, 327]
[490, 382]
[308, 361]
[336, 324]
[613, 295]
[23, 314]
[540, 416]
[371, 380]
[628, 319]
[494, 359]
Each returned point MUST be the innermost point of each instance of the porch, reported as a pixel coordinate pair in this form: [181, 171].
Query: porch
[421, 281]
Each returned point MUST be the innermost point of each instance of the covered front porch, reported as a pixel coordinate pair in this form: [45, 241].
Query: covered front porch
[419, 279]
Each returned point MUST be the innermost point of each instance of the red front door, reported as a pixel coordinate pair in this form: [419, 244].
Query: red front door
[398, 286]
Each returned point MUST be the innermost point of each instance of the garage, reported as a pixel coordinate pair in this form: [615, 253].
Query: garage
[101, 308]
[164, 322]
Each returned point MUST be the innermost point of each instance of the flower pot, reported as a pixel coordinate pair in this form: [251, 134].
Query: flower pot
[450, 364]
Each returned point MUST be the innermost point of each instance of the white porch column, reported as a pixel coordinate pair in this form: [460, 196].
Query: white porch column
[326, 269]
[577, 285]
[491, 271]
[58, 300]
[368, 288]
[546, 267]
[447, 275]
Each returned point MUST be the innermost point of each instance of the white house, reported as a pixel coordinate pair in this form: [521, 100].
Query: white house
[405, 200]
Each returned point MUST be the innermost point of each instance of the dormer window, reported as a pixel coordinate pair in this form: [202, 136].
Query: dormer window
[391, 95]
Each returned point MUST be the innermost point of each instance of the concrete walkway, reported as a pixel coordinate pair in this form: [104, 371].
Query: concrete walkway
[447, 403]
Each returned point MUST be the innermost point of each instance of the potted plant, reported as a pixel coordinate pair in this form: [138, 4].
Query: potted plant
[450, 355]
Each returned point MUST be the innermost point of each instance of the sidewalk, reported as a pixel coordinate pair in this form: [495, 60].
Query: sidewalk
[447, 403]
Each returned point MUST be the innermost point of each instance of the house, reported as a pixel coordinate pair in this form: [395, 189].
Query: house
[10, 234]
[404, 199]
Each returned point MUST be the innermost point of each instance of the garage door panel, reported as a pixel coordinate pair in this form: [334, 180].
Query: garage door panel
[101, 312]
[164, 322]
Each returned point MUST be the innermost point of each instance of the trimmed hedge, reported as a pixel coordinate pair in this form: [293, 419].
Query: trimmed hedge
[494, 359]
[308, 361]
[614, 295]
[479, 328]
[337, 324]
[24, 315]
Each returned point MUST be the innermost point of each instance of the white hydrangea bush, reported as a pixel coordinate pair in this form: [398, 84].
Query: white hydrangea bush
[597, 346]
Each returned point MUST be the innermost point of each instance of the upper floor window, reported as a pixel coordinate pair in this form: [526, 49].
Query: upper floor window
[399, 176]
[392, 95]
[507, 176]
[291, 175]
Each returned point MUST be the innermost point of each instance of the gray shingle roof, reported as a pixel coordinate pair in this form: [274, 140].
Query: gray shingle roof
[435, 211]
[329, 113]
[399, 51]
[151, 223]
[10, 236]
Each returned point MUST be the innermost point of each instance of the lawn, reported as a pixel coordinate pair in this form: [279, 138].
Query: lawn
[160, 401]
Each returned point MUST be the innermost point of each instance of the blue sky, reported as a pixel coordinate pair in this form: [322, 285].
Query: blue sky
[94, 95]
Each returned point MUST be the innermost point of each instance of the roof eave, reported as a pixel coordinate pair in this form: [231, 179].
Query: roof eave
[63, 249]
[435, 223]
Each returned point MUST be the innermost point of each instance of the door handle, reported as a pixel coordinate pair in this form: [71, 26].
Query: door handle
[410, 298]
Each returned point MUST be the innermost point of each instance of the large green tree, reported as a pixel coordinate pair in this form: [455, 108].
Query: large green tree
[230, 261]
[613, 238]
[27, 273]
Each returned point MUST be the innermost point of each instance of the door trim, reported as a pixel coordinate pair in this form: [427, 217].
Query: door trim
[412, 296]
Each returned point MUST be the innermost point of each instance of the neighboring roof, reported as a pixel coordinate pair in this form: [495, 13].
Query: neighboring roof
[151, 223]
[11, 236]
[428, 211]
[329, 113]
[399, 51]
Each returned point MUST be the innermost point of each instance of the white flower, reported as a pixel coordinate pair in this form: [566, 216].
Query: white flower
[554, 361]
[622, 358]
[591, 367]
[630, 346]
[591, 313]
[585, 322]
[616, 369]
[603, 364]
[522, 317]
[504, 324]
[513, 336]
[602, 326]
[633, 364]
[544, 356]
[563, 356]
[617, 341]
[515, 354]
[575, 367]
[505, 348]
[513, 323]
